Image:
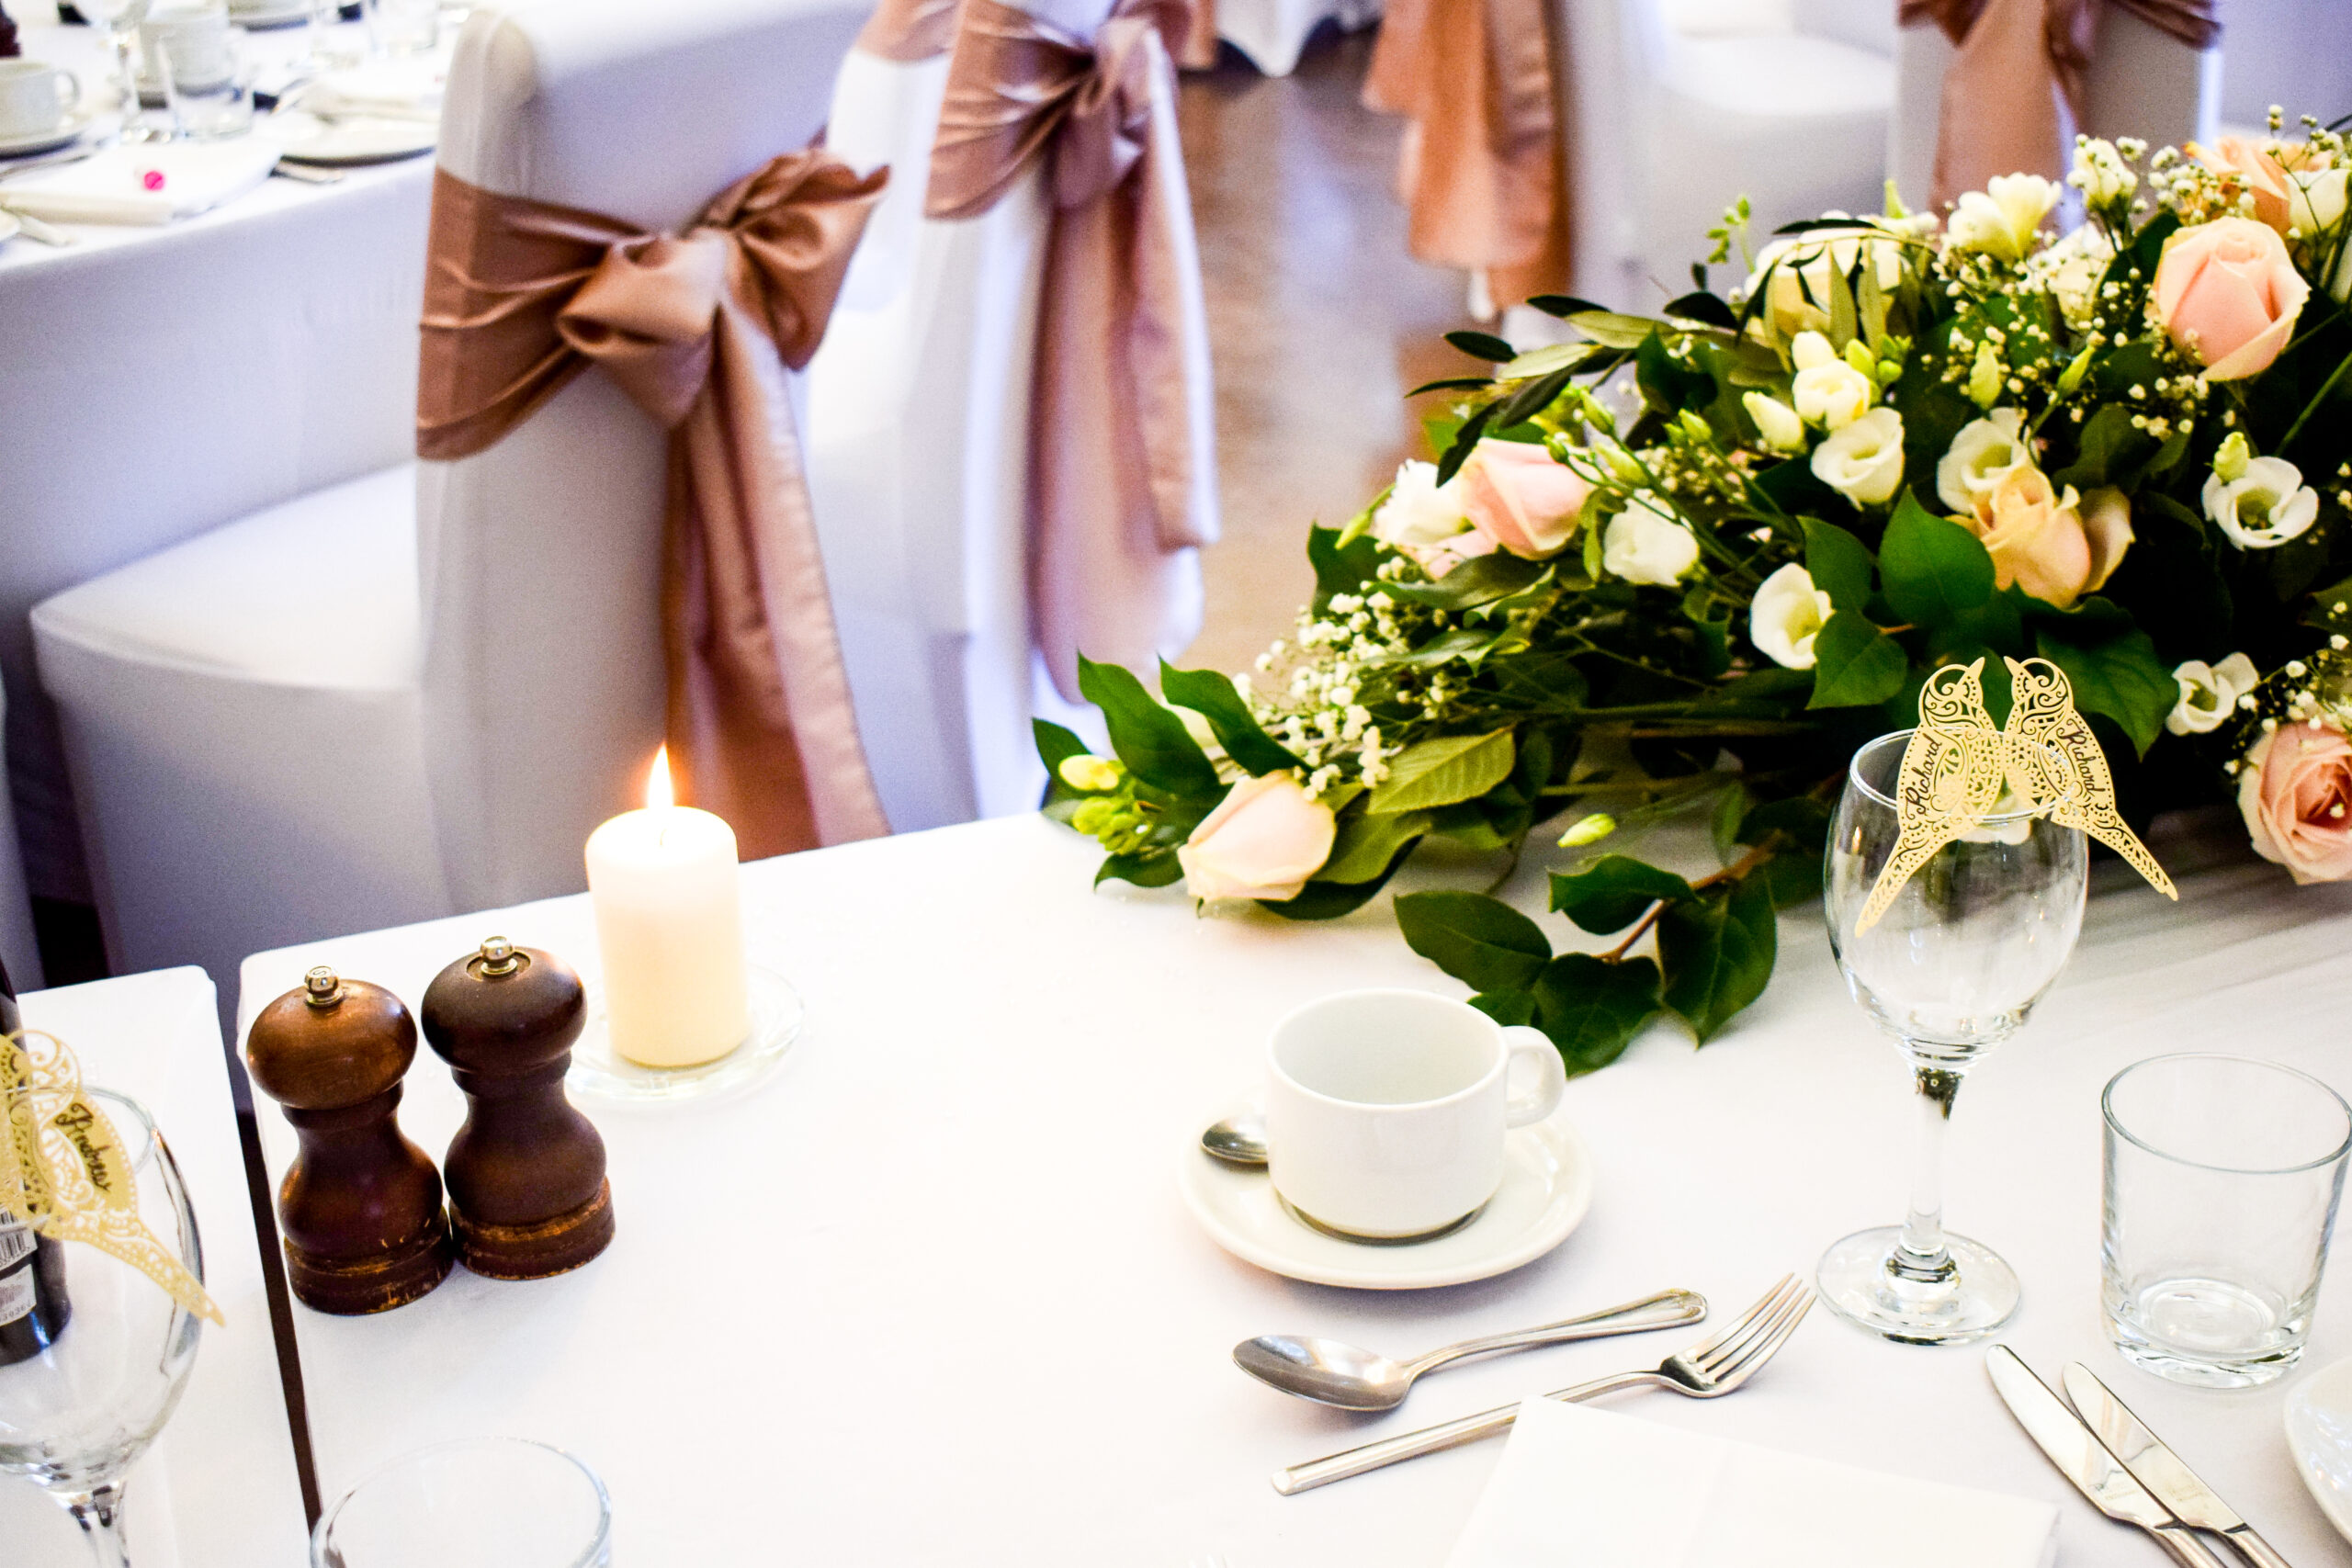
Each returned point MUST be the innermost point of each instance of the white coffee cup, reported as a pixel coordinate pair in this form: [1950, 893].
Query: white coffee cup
[1385, 1110]
[197, 37]
[35, 98]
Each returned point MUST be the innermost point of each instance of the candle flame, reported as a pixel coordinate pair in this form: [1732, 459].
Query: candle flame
[658, 792]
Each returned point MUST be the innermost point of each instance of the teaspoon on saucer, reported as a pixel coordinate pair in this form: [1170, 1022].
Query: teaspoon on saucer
[1238, 1140]
[1329, 1373]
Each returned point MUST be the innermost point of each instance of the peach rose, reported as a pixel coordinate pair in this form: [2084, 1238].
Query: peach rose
[2228, 293]
[1263, 840]
[2057, 547]
[2269, 175]
[1521, 497]
[2295, 792]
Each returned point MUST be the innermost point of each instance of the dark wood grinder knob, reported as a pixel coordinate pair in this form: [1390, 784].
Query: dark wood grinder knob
[528, 1193]
[361, 1205]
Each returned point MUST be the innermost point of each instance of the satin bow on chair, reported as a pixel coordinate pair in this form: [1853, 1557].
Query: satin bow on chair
[1121, 465]
[521, 296]
[2017, 59]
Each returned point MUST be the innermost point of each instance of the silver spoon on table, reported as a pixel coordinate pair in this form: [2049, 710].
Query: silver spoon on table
[1332, 1373]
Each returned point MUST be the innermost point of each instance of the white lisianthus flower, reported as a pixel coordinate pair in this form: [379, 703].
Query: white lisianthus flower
[2100, 173]
[2002, 219]
[1647, 542]
[1985, 452]
[1828, 391]
[1779, 426]
[1863, 462]
[1788, 614]
[2264, 506]
[1419, 510]
[2315, 200]
[2209, 693]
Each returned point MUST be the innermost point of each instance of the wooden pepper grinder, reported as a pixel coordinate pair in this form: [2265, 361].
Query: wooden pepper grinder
[528, 1193]
[361, 1206]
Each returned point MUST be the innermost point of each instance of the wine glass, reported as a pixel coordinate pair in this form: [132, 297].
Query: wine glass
[120, 18]
[1952, 969]
[76, 1416]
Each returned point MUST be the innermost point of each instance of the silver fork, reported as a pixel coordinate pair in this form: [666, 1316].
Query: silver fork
[1707, 1371]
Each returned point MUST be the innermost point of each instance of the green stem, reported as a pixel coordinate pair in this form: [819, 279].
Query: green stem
[2313, 407]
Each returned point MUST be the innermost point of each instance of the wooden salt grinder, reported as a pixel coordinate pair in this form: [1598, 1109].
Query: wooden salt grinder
[361, 1205]
[528, 1193]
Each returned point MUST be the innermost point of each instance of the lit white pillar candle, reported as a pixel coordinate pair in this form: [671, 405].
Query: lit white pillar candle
[670, 923]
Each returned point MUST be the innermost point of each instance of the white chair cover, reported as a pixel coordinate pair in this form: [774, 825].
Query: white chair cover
[255, 757]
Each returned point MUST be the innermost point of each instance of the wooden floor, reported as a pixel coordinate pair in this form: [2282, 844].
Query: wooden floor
[1318, 322]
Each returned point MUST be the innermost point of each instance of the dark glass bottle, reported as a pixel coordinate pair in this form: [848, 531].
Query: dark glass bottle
[33, 1305]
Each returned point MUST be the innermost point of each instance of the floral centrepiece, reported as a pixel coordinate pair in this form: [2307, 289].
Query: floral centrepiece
[1687, 563]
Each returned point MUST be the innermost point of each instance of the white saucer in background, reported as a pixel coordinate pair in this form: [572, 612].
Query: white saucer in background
[56, 136]
[348, 141]
[270, 13]
[1548, 1187]
[2318, 1432]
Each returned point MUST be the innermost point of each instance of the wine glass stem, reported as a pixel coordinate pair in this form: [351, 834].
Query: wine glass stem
[98, 1512]
[1921, 1257]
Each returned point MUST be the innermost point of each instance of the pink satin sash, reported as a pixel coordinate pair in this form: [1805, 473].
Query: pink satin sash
[521, 296]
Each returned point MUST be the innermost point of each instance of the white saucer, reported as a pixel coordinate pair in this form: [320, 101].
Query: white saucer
[284, 13]
[56, 136]
[8, 226]
[346, 141]
[600, 1073]
[1548, 1187]
[2318, 1432]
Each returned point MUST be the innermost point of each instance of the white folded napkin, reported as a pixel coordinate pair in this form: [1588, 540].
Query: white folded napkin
[1583, 1488]
[114, 186]
[407, 88]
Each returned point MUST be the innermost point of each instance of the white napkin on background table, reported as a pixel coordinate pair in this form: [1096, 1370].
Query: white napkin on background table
[408, 88]
[111, 186]
[1584, 1488]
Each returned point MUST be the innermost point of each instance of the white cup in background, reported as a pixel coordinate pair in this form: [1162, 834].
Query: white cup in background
[1385, 1110]
[35, 98]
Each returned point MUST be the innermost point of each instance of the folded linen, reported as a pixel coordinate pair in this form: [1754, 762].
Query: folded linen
[406, 88]
[1597, 1490]
[150, 182]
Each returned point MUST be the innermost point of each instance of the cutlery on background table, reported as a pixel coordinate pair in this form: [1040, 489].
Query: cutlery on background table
[46, 233]
[305, 174]
[1706, 1370]
[1329, 1373]
[2081, 1459]
[2158, 1469]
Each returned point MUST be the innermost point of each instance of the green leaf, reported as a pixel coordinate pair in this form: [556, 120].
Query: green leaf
[2118, 675]
[1592, 1011]
[1731, 810]
[1466, 441]
[1844, 319]
[1717, 953]
[1614, 892]
[1934, 570]
[1855, 664]
[1531, 398]
[1483, 345]
[1610, 327]
[1546, 360]
[1481, 579]
[1367, 843]
[1057, 745]
[1439, 773]
[1481, 941]
[1793, 872]
[2110, 450]
[1151, 741]
[1154, 868]
[1839, 564]
[1507, 1007]
[1212, 696]
[1340, 567]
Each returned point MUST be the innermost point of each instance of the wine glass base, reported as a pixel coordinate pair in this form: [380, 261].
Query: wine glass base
[1859, 1283]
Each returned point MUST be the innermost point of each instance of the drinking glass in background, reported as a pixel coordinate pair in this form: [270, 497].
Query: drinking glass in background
[121, 19]
[2223, 1175]
[73, 1417]
[1952, 969]
[475, 1503]
[207, 91]
[399, 27]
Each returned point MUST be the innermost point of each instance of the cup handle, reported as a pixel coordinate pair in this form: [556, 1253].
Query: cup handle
[1543, 1098]
[69, 89]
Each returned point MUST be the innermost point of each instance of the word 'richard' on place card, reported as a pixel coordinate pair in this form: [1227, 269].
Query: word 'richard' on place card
[1584, 1488]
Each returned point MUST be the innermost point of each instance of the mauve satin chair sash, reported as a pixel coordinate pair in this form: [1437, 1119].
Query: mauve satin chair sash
[521, 296]
[1123, 472]
[2017, 58]
[1479, 169]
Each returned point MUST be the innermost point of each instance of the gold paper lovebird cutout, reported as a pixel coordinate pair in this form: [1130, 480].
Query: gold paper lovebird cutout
[1957, 767]
[64, 1171]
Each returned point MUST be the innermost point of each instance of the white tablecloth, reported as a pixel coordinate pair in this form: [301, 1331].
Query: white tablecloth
[931, 1296]
[218, 1489]
[162, 381]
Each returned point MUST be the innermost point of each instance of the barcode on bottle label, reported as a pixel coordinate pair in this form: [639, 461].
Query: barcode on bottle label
[16, 1296]
[16, 1243]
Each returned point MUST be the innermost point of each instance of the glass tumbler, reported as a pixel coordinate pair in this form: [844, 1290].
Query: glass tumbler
[475, 1503]
[2223, 1175]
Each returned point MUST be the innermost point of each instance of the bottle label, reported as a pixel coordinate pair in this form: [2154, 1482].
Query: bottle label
[16, 1296]
[16, 1243]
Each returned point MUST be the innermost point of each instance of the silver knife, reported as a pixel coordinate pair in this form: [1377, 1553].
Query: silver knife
[2081, 1459]
[2159, 1468]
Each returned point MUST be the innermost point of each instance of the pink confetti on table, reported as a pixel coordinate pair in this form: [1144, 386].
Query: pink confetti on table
[152, 179]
